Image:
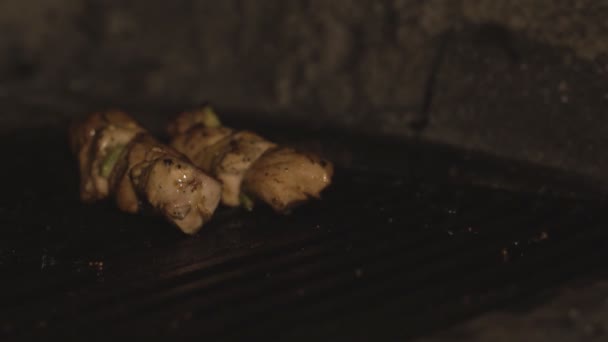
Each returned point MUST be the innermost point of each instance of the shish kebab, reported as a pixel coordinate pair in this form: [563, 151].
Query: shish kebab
[118, 158]
[250, 167]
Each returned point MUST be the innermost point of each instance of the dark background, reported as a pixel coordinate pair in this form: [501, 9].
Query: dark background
[524, 81]
[519, 79]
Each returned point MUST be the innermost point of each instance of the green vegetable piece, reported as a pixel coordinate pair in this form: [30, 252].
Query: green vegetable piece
[210, 119]
[110, 160]
[246, 202]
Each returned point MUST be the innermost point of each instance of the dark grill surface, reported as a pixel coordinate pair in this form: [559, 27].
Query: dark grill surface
[385, 254]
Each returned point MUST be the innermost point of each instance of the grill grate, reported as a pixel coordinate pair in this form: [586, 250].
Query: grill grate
[382, 255]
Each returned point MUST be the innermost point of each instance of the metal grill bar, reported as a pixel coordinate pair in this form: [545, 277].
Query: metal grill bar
[391, 244]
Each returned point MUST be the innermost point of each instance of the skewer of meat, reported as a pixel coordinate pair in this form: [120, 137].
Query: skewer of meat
[249, 166]
[117, 158]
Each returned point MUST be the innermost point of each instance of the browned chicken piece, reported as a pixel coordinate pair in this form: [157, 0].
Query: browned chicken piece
[203, 145]
[118, 158]
[281, 177]
[223, 153]
[155, 175]
[96, 141]
[184, 121]
[284, 178]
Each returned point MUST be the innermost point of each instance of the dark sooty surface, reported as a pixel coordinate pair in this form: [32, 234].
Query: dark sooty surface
[384, 254]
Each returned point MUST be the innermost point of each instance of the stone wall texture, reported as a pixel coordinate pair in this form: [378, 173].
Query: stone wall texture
[519, 79]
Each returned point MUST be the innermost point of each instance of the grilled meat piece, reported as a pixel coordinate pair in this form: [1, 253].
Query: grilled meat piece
[164, 179]
[205, 117]
[96, 142]
[224, 153]
[280, 177]
[283, 178]
[118, 158]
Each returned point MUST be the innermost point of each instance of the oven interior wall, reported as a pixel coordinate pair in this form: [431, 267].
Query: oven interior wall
[522, 80]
